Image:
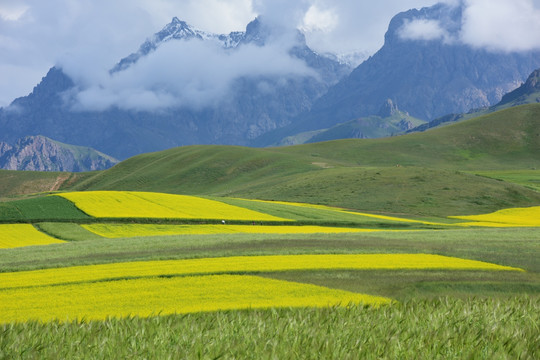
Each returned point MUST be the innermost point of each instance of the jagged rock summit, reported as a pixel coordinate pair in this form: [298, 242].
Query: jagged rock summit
[388, 109]
[429, 76]
[40, 153]
[522, 94]
[178, 30]
[253, 105]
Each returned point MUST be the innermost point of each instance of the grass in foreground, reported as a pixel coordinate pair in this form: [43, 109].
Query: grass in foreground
[435, 329]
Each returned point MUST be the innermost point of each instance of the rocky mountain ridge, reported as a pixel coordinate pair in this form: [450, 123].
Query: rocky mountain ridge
[389, 121]
[39, 153]
[253, 106]
[178, 30]
[426, 77]
[527, 93]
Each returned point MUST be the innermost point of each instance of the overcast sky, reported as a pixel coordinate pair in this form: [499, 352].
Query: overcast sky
[84, 34]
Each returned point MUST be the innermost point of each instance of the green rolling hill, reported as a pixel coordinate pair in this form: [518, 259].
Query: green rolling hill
[434, 173]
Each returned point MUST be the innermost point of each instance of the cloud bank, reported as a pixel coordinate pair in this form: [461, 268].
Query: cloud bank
[423, 29]
[193, 74]
[87, 37]
[495, 25]
[36, 35]
[502, 25]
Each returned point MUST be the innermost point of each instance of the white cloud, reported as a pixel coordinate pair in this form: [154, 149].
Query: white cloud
[89, 36]
[502, 25]
[318, 19]
[495, 25]
[168, 78]
[423, 29]
[92, 35]
[12, 10]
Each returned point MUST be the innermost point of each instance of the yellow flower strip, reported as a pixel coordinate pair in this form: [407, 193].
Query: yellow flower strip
[124, 204]
[505, 218]
[18, 235]
[491, 224]
[135, 230]
[153, 296]
[324, 207]
[240, 264]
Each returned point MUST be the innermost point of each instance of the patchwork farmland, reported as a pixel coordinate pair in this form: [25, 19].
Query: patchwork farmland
[228, 252]
[357, 261]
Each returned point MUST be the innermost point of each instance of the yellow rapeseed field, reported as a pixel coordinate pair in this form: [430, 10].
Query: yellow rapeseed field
[153, 296]
[240, 264]
[18, 235]
[124, 204]
[514, 217]
[134, 230]
[323, 207]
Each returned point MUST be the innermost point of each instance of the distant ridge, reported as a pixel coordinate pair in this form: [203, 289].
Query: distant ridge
[428, 78]
[39, 153]
[254, 103]
[527, 93]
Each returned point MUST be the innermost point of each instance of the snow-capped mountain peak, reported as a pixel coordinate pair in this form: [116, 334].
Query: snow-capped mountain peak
[256, 33]
[176, 30]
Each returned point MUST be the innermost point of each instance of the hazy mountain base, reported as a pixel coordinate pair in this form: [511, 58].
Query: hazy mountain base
[389, 121]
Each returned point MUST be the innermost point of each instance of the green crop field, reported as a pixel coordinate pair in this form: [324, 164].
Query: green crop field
[197, 277]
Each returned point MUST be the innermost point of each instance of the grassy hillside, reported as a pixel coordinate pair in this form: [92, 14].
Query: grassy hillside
[198, 170]
[431, 173]
[26, 182]
[33, 183]
[367, 127]
[508, 139]
[473, 167]
[416, 173]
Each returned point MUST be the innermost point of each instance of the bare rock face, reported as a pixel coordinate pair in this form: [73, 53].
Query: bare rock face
[254, 104]
[521, 94]
[427, 78]
[39, 153]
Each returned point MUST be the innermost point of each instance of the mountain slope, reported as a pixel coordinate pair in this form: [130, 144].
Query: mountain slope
[507, 139]
[389, 121]
[418, 173]
[527, 93]
[427, 78]
[43, 154]
[253, 105]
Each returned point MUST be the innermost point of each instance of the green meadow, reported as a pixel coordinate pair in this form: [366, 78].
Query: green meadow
[404, 187]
